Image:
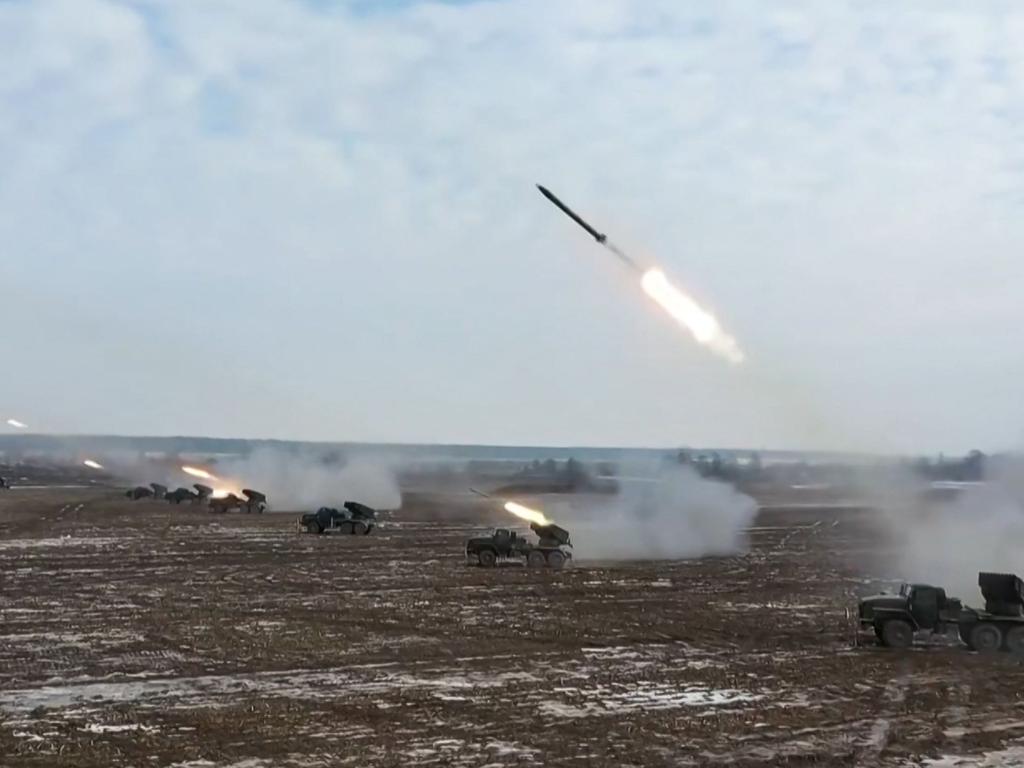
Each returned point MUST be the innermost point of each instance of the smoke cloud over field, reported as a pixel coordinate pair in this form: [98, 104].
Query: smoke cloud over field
[679, 514]
[297, 481]
[947, 544]
[291, 480]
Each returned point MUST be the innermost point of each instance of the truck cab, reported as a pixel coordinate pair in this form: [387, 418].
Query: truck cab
[501, 544]
[895, 618]
[502, 536]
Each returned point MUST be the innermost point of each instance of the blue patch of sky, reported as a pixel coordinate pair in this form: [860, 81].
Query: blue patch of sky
[221, 111]
[705, 27]
[155, 19]
[911, 81]
[997, 73]
[377, 7]
[783, 54]
[995, 69]
[821, 111]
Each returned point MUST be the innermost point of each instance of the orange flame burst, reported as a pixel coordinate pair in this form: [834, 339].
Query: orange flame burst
[201, 473]
[688, 313]
[525, 513]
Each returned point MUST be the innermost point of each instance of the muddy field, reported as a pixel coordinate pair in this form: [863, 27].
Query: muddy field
[142, 634]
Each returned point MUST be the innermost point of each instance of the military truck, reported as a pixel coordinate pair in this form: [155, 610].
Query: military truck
[254, 501]
[895, 619]
[203, 492]
[159, 491]
[353, 519]
[222, 504]
[179, 495]
[139, 492]
[508, 546]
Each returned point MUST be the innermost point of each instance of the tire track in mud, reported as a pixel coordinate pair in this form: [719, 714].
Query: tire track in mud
[894, 695]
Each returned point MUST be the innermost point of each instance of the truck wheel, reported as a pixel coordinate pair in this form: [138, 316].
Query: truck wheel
[897, 633]
[345, 528]
[535, 559]
[487, 558]
[359, 529]
[556, 559]
[1015, 641]
[313, 526]
[986, 638]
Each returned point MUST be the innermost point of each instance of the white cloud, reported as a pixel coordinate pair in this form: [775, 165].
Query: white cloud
[347, 197]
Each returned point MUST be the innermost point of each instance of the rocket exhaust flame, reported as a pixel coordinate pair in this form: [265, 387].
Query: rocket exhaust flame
[92, 464]
[196, 472]
[218, 493]
[525, 513]
[687, 312]
[16, 424]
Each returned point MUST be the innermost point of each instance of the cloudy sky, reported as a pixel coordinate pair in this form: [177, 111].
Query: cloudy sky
[317, 220]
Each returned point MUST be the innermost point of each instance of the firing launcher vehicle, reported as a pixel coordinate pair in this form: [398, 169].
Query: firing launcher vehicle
[509, 546]
[220, 505]
[178, 495]
[919, 607]
[352, 519]
[254, 501]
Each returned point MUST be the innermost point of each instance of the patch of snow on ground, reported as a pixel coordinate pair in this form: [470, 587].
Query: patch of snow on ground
[295, 684]
[62, 541]
[604, 700]
[1011, 757]
[101, 728]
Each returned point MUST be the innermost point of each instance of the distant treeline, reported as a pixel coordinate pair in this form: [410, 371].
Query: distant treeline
[968, 469]
[570, 466]
[751, 469]
[14, 443]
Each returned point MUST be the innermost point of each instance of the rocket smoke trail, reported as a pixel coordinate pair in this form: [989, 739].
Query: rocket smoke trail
[704, 326]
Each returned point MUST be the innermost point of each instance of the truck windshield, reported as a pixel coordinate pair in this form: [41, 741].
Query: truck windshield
[905, 590]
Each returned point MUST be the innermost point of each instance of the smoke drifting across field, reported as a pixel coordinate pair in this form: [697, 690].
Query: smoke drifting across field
[947, 544]
[294, 481]
[678, 514]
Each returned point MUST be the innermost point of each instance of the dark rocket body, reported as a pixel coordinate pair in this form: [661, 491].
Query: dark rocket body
[601, 238]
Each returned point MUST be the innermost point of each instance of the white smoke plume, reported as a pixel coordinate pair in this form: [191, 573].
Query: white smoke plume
[947, 544]
[679, 514]
[292, 480]
[298, 481]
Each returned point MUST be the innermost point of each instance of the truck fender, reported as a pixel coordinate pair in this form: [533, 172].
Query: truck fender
[884, 614]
